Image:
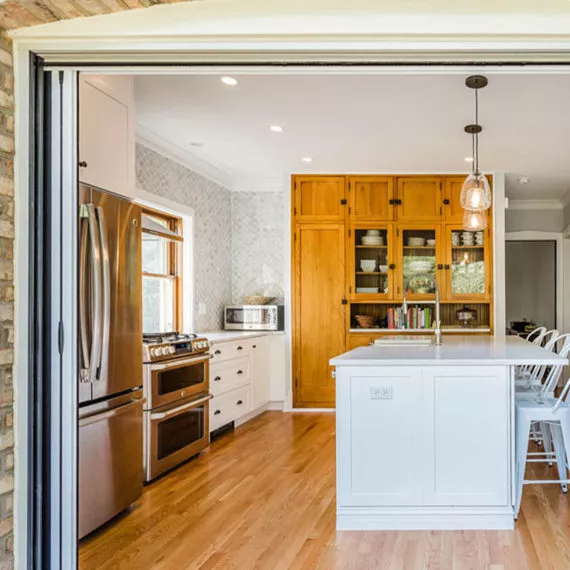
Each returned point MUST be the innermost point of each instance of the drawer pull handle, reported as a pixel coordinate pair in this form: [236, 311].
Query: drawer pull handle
[254, 346]
[82, 164]
[217, 378]
[240, 347]
[218, 352]
[240, 372]
[217, 412]
[239, 402]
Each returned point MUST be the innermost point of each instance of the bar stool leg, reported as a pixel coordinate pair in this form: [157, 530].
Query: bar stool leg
[546, 440]
[558, 439]
[522, 427]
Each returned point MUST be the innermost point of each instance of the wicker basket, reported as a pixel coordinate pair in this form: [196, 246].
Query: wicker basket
[365, 321]
[257, 300]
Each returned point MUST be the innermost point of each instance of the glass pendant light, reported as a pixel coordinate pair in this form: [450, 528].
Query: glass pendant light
[476, 192]
[474, 221]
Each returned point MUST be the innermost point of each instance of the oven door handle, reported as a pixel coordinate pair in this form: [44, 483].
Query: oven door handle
[179, 409]
[179, 363]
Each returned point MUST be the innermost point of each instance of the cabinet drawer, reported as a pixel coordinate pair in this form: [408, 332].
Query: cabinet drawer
[229, 375]
[228, 407]
[229, 350]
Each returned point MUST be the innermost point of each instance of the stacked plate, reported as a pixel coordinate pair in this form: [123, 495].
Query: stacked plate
[479, 238]
[455, 238]
[468, 238]
[372, 240]
[416, 241]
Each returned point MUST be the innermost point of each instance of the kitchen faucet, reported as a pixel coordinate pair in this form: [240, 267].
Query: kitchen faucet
[437, 332]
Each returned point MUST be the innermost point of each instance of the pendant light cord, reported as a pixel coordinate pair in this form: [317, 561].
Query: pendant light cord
[476, 157]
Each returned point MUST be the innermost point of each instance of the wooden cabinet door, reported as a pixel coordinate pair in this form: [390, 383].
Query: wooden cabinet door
[107, 133]
[371, 198]
[468, 266]
[419, 199]
[458, 470]
[319, 312]
[319, 198]
[452, 210]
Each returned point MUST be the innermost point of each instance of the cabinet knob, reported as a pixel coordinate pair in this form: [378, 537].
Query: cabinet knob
[82, 164]
[239, 402]
[240, 347]
[392, 266]
[447, 266]
[446, 202]
[254, 346]
[440, 266]
[217, 379]
[218, 352]
[217, 412]
[240, 372]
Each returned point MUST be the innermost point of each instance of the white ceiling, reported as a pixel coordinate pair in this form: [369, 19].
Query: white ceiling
[364, 123]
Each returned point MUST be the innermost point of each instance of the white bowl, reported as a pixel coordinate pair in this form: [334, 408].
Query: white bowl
[368, 266]
[430, 242]
[383, 268]
[373, 233]
[416, 241]
[372, 240]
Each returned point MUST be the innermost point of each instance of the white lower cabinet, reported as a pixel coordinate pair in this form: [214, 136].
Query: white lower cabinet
[420, 446]
[239, 380]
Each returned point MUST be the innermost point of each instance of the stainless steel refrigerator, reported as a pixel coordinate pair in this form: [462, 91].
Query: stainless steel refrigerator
[110, 356]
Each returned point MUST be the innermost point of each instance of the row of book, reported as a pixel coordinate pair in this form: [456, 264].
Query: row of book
[415, 318]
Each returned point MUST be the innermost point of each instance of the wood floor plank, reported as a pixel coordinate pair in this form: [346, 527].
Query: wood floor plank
[263, 497]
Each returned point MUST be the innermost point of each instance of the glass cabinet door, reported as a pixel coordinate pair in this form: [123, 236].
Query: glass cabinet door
[468, 264]
[421, 251]
[372, 267]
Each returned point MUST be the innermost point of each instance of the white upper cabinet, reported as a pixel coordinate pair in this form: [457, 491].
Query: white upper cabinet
[107, 133]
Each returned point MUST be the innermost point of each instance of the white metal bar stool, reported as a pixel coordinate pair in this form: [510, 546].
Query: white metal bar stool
[532, 375]
[535, 337]
[553, 414]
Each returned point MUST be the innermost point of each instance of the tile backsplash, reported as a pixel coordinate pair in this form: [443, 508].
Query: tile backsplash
[211, 202]
[258, 244]
[239, 246]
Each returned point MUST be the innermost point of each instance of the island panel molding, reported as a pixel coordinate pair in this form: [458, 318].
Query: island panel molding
[401, 234]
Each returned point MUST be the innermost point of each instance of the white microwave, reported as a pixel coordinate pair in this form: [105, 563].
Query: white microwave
[254, 318]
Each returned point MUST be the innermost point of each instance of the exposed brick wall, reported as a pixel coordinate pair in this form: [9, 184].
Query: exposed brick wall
[6, 302]
[19, 14]
[24, 13]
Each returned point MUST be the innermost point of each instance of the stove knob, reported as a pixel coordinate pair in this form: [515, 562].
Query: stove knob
[171, 350]
[154, 351]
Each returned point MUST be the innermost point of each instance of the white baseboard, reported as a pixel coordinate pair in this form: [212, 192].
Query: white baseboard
[313, 410]
[465, 519]
[277, 406]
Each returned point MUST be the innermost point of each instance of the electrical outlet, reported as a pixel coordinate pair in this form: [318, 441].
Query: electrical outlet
[381, 393]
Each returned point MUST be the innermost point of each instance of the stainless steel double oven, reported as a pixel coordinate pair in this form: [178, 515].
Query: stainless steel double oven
[176, 413]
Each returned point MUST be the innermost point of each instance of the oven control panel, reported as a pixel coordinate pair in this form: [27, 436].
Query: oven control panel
[159, 351]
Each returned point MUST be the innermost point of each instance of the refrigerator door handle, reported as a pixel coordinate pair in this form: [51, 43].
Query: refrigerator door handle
[85, 357]
[106, 264]
[95, 357]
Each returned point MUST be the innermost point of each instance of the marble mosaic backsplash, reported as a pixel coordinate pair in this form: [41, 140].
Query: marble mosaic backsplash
[239, 246]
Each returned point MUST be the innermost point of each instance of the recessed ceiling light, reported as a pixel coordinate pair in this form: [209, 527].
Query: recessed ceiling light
[229, 81]
[307, 159]
[468, 159]
[523, 179]
[276, 128]
[197, 144]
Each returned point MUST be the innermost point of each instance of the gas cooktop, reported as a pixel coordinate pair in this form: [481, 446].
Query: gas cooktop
[168, 346]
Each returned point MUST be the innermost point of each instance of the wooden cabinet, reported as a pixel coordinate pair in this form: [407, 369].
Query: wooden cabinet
[360, 339]
[453, 212]
[319, 313]
[420, 198]
[419, 259]
[107, 133]
[319, 198]
[371, 265]
[371, 198]
[468, 266]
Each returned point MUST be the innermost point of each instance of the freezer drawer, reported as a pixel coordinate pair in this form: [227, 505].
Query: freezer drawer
[110, 463]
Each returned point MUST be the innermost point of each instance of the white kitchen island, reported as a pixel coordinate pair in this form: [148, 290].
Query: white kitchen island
[425, 434]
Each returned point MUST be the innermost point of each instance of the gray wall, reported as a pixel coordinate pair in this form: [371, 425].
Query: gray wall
[212, 246]
[239, 244]
[530, 269]
[258, 244]
[534, 220]
[566, 216]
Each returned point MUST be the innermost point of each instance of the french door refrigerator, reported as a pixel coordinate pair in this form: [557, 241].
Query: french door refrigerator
[110, 355]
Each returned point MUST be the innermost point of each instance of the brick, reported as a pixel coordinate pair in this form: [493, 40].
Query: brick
[6, 375]
[6, 506]
[6, 483]
[6, 228]
[6, 207]
[6, 357]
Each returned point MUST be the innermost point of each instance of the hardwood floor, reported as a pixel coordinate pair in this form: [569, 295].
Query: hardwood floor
[264, 497]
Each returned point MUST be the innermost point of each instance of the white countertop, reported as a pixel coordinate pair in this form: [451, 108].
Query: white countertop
[216, 337]
[455, 350]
